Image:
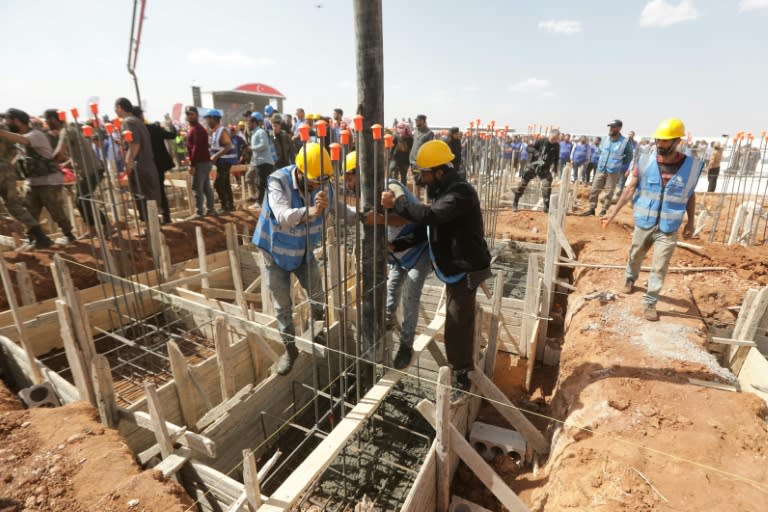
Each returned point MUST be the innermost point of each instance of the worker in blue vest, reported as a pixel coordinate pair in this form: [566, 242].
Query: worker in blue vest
[224, 155]
[295, 201]
[456, 246]
[662, 186]
[593, 157]
[615, 157]
[566, 147]
[579, 160]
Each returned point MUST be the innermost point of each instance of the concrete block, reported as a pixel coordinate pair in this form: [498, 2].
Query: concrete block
[40, 395]
[462, 505]
[490, 441]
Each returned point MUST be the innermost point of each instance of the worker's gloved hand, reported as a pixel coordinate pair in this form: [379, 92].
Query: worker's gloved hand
[397, 189]
[321, 203]
[388, 199]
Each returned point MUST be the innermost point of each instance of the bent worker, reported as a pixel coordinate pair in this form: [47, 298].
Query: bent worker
[542, 158]
[409, 266]
[296, 199]
[663, 188]
[457, 248]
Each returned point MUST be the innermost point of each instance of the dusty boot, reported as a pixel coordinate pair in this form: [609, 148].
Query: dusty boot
[285, 364]
[587, 213]
[516, 202]
[629, 286]
[67, 239]
[37, 239]
[461, 386]
[650, 313]
[403, 357]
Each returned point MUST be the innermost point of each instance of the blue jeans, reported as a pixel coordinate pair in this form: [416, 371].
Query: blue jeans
[201, 185]
[664, 245]
[575, 172]
[279, 282]
[413, 280]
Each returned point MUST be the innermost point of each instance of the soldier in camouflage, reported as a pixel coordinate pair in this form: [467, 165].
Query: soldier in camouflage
[11, 198]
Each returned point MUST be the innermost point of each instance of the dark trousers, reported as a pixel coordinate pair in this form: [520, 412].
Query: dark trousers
[544, 175]
[165, 209]
[85, 203]
[459, 330]
[223, 185]
[591, 167]
[712, 177]
[264, 171]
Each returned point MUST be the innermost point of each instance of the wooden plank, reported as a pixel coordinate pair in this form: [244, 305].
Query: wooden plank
[155, 244]
[104, 391]
[201, 258]
[493, 329]
[196, 442]
[443, 438]
[753, 316]
[422, 495]
[170, 465]
[510, 412]
[234, 264]
[24, 282]
[437, 354]
[475, 462]
[222, 294]
[157, 420]
[75, 360]
[224, 358]
[10, 295]
[251, 480]
[731, 341]
[267, 306]
[562, 240]
[221, 409]
[712, 385]
[753, 376]
[531, 303]
[642, 269]
[191, 404]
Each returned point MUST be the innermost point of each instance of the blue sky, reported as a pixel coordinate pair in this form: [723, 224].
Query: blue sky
[573, 64]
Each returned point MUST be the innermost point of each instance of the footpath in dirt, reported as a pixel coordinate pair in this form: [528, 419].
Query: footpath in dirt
[630, 432]
[63, 459]
[179, 236]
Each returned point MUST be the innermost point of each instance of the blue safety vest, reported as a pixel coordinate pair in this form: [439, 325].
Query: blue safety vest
[612, 155]
[227, 158]
[565, 150]
[408, 258]
[664, 205]
[594, 154]
[288, 246]
[523, 152]
[580, 153]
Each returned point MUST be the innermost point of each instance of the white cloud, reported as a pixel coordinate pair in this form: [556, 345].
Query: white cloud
[561, 26]
[548, 94]
[660, 13]
[530, 85]
[206, 56]
[751, 5]
[471, 88]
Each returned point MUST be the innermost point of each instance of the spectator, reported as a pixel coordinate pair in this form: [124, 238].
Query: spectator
[615, 156]
[593, 158]
[714, 166]
[566, 147]
[403, 142]
[224, 155]
[199, 163]
[454, 142]
[157, 137]
[338, 117]
[421, 134]
[544, 158]
[282, 143]
[579, 160]
[263, 163]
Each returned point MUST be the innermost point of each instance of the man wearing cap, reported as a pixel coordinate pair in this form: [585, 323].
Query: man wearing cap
[72, 146]
[295, 201]
[456, 245]
[223, 156]
[615, 157]
[542, 158]
[200, 164]
[139, 160]
[10, 196]
[421, 134]
[663, 188]
[262, 159]
[45, 183]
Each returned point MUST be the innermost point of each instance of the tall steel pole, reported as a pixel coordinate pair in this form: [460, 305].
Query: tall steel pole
[370, 96]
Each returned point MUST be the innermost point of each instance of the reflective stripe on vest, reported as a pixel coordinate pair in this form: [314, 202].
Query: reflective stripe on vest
[226, 158]
[287, 246]
[612, 161]
[664, 205]
[444, 278]
[408, 258]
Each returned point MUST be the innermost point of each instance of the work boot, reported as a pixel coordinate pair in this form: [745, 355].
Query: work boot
[546, 208]
[516, 202]
[166, 220]
[403, 357]
[629, 286]
[461, 386]
[37, 240]
[650, 313]
[67, 239]
[285, 364]
[587, 213]
[603, 212]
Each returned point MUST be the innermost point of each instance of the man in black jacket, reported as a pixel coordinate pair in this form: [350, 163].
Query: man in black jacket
[283, 145]
[457, 245]
[163, 161]
[542, 158]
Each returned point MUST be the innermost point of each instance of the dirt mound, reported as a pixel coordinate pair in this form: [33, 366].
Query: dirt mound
[180, 237]
[62, 459]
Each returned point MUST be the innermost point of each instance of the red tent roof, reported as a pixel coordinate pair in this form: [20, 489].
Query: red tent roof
[262, 89]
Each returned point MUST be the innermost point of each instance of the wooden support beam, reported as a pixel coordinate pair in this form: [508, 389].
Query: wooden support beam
[443, 438]
[155, 244]
[493, 329]
[24, 282]
[436, 354]
[75, 359]
[104, 391]
[267, 306]
[10, 295]
[561, 239]
[475, 462]
[234, 264]
[511, 413]
[731, 341]
[157, 420]
[212, 415]
[251, 481]
[170, 465]
[201, 256]
[224, 358]
[196, 442]
[190, 402]
[570, 264]
[530, 304]
[747, 327]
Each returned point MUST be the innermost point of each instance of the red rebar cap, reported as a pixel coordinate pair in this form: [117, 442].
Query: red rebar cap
[87, 131]
[304, 132]
[74, 112]
[388, 142]
[358, 120]
[128, 136]
[376, 131]
[335, 151]
[117, 122]
[344, 136]
[94, 108]
[109, 127]
[62, 116]
[321, 127]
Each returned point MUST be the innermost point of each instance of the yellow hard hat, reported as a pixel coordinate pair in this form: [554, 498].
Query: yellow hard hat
[314, 155]
[352, 162]
[433, 154]
[670, 129]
